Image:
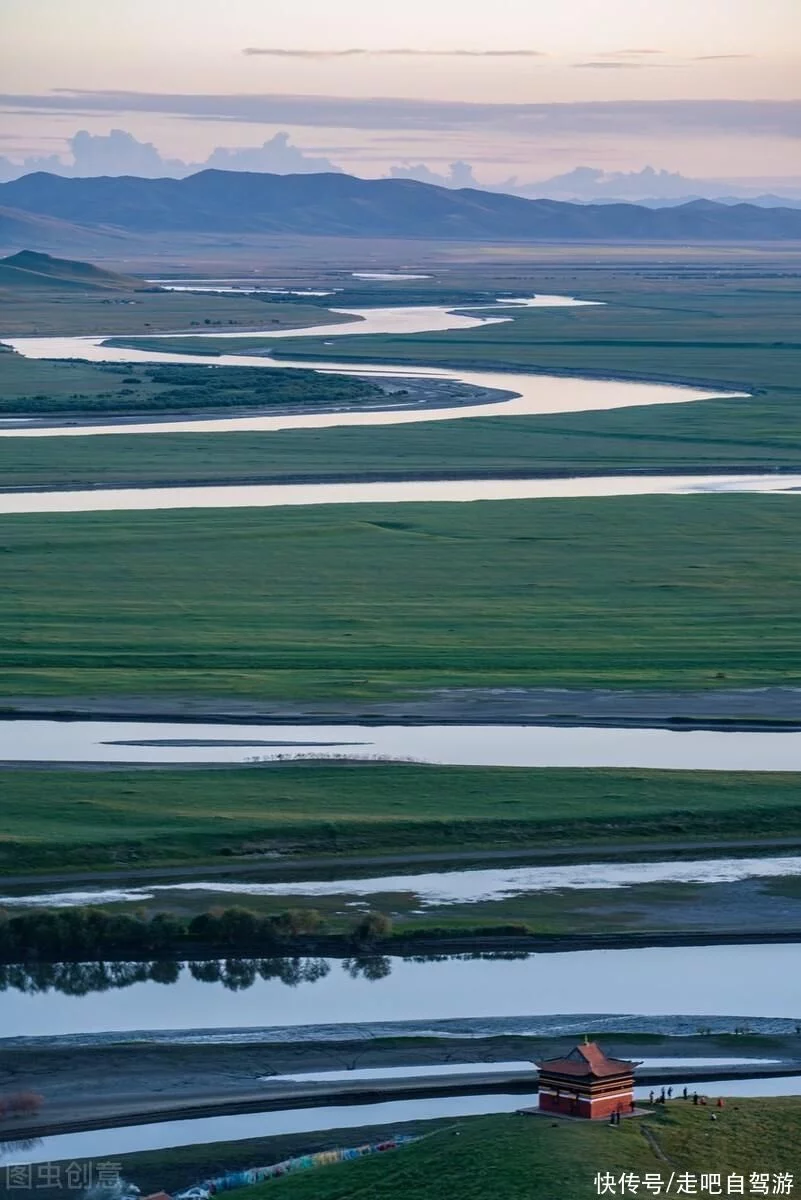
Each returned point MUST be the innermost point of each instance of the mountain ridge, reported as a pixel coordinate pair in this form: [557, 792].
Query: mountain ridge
[339, 205]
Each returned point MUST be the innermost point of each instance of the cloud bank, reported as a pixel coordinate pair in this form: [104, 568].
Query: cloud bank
[120, 153]
[743, 118]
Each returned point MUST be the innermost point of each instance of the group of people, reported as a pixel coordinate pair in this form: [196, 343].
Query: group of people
[664, 1095]
[667, 1094]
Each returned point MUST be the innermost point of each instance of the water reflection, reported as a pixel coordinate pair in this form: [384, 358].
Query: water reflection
[233, 974]
[280, 997]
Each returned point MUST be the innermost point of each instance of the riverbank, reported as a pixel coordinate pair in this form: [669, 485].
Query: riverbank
[719, 707]
[173, 942]
[406, 476]
[276, 865]
[104, 1086]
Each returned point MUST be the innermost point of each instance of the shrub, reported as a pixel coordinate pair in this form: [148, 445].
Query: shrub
[372, 927]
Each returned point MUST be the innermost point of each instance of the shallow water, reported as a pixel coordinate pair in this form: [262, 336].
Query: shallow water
[653, 981]
[445, 1071]
[164, 742]
[221, 288]
[380, 275]
[438, 888]
[405, 319]
[532, 394]
[451, 1070]
[204, 1130]
[436, 491]
[168, 1134]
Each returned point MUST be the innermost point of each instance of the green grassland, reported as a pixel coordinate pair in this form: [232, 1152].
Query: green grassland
[179, 1167]
[28, 314]
[506, 1157]
[745, 337]
[117, 817]
[359, 601]
[531, 1158]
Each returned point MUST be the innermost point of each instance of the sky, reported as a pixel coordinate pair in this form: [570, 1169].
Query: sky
[517, 88]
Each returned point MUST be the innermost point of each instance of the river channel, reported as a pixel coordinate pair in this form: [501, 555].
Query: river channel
[442, 491]
[204, 1130]
[684, 987]
[173, 743]
[530, 393]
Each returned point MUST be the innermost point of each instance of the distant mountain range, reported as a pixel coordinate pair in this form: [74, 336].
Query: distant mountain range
[120, 153]
[223, 203]
[653, 188]
[31, 270]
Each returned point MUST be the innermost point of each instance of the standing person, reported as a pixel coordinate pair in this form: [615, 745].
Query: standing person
[670, 1093]
[651, 1096]
[685, 1093]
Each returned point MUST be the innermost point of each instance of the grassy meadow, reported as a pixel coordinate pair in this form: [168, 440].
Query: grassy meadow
[26, 313]
[531, 1158]
[354, 601]
[507, 1157]
[70, 819]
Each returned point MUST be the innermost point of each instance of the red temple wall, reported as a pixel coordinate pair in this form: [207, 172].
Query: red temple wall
[597, 1108]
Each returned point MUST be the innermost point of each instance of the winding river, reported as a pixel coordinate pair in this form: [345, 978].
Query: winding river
[662, 987]
[531, 393]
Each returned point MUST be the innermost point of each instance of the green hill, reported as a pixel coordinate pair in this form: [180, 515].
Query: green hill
[30, 269]
[533, 1158]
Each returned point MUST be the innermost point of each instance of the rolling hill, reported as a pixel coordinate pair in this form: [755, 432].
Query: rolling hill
[530, 1158]
[233, 202]
[31, 270]
[19, 230]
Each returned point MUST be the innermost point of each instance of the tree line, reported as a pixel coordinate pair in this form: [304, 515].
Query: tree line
[95, 933]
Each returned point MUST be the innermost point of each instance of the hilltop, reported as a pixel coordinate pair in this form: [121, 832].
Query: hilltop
[335, 205]
[31, 269]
